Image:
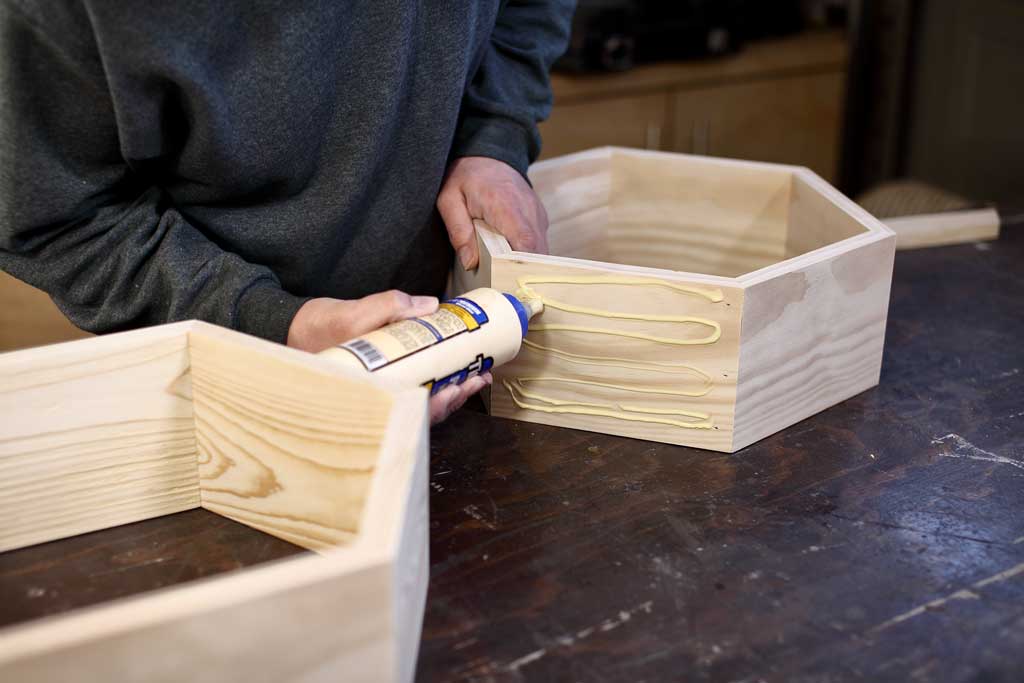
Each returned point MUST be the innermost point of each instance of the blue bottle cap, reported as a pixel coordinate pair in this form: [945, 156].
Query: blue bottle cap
[524, 315]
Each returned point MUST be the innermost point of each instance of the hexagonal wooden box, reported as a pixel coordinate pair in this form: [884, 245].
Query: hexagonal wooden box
[126, 427]
[690, 300]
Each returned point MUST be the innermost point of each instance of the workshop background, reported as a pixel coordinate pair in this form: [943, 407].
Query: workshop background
[879, 540]
[910, 106]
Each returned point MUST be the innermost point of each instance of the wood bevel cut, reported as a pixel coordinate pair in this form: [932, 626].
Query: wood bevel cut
[690, 300]
[131, 426]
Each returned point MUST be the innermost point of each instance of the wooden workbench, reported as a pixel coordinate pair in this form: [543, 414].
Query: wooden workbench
[880, 540]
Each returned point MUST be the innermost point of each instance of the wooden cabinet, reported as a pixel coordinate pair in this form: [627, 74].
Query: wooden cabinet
[638, 121]
[29, 318]
[794, 120]
[778, 100]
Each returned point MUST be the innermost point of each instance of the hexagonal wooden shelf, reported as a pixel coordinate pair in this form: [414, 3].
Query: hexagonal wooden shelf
[690, 300]
[126, 427]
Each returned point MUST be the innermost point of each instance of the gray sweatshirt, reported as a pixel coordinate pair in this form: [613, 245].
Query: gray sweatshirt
[228, 160]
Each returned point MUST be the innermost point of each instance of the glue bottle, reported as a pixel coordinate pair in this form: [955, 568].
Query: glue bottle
[466, 336]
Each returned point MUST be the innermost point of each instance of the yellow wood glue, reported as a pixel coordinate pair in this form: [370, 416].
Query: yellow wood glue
[466, 336]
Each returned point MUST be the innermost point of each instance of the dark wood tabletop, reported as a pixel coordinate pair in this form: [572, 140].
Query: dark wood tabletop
[882, 539]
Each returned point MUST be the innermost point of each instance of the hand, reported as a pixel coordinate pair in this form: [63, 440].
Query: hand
[451, 398]
[494, 192]
[322, 323]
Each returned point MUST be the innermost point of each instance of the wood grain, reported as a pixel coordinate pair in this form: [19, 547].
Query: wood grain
[803, 274]
[280, 440]
[718, 360]
[690, 214]
[855, 515]
[814, 325]
[289, 449]
[94, 434]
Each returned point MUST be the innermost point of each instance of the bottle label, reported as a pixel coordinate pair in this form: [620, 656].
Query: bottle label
[480, 364]
[382, 347]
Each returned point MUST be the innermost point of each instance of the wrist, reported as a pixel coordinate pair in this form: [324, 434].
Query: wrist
[265, 310]
[498, 139]
[309, 329]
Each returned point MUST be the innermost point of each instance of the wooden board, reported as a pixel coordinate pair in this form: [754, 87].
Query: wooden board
[656, 370]
[942, 229]
[281, 440]
[696, 215]
[820, 216]
[288, 450]
[800, 276]
[812, 337]
[92, 437]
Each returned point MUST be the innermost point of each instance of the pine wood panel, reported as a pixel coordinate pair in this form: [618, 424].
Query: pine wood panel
[941, 229]
[695, 215]
[289, 450]
[812, 337]
[718, 360]
[304, 450]
[819, 215]
[94, 434]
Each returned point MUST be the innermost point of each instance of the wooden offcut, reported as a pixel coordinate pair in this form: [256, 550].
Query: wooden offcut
[790, 276]
[126, 427]
[945, 228]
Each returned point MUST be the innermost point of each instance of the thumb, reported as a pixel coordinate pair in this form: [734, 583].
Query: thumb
[461, 233]
[377, 310]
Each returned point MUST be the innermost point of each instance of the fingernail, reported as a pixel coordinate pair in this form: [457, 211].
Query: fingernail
[465, 257]
[424, 302]
[487, 378]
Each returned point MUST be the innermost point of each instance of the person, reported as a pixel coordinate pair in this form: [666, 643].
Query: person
[299, 171]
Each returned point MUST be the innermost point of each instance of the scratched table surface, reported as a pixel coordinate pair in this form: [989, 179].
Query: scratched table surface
[882, 539]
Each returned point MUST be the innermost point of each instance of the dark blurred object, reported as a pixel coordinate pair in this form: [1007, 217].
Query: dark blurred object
[614, 35]
[757, 20]
[822, 13]
[932, 96]
[877, 92]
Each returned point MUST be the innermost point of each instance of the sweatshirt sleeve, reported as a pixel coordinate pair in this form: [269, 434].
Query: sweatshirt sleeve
[93, 230]
[510, 91]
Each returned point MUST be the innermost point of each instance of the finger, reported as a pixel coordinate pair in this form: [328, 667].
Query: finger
[374, 311]
[451, 398]
[442, 404]
[452, 206]
[523, 234]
